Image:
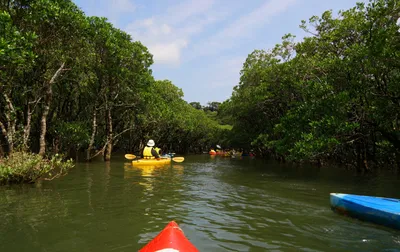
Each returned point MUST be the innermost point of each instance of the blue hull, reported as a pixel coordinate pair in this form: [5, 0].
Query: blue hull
[383, 211]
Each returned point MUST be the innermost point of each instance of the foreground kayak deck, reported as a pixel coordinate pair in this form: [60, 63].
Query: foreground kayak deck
[140, 162]
[379, 210]
[171, 239]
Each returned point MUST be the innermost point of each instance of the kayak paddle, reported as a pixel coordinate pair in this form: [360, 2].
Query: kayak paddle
[130, 156]
[178, 159]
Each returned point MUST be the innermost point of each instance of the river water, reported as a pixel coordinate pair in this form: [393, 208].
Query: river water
[222, 204]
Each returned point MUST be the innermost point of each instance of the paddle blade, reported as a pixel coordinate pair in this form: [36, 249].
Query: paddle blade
[178, 159]
[130, 156]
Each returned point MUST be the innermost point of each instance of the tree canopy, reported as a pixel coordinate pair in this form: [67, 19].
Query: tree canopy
[334, 96]
[70, 82]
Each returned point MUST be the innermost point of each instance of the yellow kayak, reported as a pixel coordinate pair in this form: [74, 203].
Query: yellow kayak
[141, 162]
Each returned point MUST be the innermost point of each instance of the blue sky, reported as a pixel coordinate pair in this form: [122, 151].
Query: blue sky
[200, 45]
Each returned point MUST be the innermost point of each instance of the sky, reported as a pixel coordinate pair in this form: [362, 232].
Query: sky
[201, 45]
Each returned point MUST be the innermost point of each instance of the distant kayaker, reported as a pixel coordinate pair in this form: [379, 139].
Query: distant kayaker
[149, 152]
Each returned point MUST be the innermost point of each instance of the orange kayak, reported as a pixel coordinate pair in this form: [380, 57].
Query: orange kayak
[171, 238]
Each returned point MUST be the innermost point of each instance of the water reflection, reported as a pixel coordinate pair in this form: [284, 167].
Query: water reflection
[28, 209]
[276, 207]
[89, 180]
[143, 175]
[160, 197]
[178, 169]
[146, 176]
[222, 204]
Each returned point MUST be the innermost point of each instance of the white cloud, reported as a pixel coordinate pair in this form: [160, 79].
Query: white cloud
[167, 35]
[197, 25]
[223, 73]
[168, 53]
[227, 73]
[256, 18]
[107, 8]
[165, 29]
[148, 22]
[216, 80]
[242, 27]
[122, 6]
[188, 9]
[111, 9]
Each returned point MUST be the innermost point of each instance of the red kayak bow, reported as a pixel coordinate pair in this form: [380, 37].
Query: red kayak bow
[170, 239]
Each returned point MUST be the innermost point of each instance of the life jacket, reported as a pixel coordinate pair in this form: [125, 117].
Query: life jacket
[147, 153]
[158, 150]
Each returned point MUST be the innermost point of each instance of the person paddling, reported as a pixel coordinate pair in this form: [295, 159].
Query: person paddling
[158, 150]
[149, 152]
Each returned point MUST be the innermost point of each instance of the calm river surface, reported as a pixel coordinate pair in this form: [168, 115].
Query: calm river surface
[221, 204]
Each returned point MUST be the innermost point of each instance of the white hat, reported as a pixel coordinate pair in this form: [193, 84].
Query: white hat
[150, 143]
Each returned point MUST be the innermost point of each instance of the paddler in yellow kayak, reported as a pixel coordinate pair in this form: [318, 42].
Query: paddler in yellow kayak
[158, 151]
[149, 152]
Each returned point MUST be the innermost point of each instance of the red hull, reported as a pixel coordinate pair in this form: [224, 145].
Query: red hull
[172, 238]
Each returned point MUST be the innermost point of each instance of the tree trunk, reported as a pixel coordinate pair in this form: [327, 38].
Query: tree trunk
[107, 153]
[10, 137]
[27, 129]
[56, 144]
[1, 150]
[11, 116]
[94, 129]
[43, 122]
[4, 131]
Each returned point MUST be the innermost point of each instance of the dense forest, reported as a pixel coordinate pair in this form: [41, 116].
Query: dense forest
[73, 84]
[333, 97]
[70, 83]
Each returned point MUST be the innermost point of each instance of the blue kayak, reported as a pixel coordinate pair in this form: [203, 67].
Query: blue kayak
[379, 210]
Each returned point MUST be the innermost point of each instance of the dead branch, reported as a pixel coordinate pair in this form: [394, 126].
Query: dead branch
[105, 145]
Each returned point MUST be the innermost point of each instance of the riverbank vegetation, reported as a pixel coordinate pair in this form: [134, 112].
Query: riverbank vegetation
[332, 97]
[23, 167]
[70, 83]
[73, 84]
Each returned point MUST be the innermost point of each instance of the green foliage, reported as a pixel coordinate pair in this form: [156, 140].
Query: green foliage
[212, 106]
[196, 105]
[72, 133]
[15, 46]
[25, 167]
[225, 127]
[172, 122]
[333, 96]
[79, 83]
